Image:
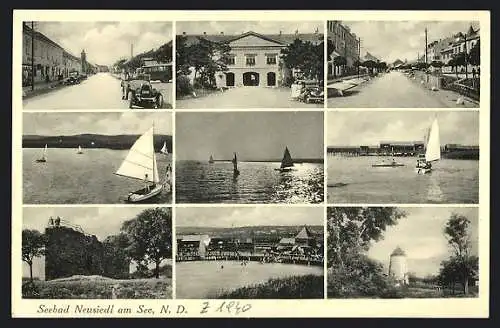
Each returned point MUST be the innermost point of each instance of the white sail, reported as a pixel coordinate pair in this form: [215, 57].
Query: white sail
[164, 148]
[79, 149]
[141, 160]
[433, 149]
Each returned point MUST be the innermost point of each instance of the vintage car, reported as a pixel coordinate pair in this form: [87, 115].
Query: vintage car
[139, 91]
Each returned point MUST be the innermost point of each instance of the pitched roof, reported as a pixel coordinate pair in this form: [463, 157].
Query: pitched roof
[193, 237]
[305, 233]
[398, 252]
[282, 38]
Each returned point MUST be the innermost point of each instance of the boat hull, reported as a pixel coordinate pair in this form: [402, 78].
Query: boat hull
[421, 170]
[143, 194]
[286, 169]
[387, 165]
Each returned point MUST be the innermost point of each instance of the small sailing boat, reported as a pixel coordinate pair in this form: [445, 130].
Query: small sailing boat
[164, 149]
[432, 150]
[43, 158]
[236, 172]
[286, 163]
[211, 160]
[79, 150]
[140, 164]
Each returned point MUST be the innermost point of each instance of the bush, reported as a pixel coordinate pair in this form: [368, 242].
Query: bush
[307, 286]
[30, 290]
[183, 86]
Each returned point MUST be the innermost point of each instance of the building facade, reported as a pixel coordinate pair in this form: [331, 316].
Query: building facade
[255, 58]
[346, 44]
[46, 55]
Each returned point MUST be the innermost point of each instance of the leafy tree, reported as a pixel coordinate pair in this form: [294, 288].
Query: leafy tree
[474, 54]
[150, 235]
[305, 56]
[370, 64]
[457, 232]
[352, 229]
[116, 258]
[339, 61]
[181, 55]
[163, 53]
[33, 245]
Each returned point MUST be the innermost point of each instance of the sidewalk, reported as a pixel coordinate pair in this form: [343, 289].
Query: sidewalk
[447, 96]
[41, 88]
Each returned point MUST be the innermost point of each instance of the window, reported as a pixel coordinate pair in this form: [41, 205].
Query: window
[271, 59]
[231, 60]
[250, 60]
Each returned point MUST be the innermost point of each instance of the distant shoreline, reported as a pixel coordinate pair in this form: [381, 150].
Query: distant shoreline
[296, 161]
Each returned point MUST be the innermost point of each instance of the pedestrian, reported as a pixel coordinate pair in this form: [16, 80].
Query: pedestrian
[478, 72]
[146, 182]
[473, 73]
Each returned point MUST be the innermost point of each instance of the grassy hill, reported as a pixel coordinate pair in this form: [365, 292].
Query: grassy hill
[123, 141]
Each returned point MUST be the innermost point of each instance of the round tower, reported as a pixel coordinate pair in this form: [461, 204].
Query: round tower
[84, 61]
[397, 266]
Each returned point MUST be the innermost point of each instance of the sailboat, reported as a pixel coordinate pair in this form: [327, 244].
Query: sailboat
[79, 150]
[286, 162]
[164, 149]
[235, 165]
[432, 150]
[140, 164]
[211, 160]
[43, 158]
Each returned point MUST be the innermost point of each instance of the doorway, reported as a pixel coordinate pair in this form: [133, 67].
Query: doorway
[271, 79]
[251, 79]
[230, 79]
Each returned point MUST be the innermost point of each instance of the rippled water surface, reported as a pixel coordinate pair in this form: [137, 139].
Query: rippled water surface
[88, 178]
[198, 182]
[354, 180]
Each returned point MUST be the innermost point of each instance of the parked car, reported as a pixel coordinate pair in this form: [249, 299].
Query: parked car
[139, 92]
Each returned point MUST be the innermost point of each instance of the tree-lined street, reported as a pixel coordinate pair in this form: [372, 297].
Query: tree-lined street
[392, 90]
[100, 91]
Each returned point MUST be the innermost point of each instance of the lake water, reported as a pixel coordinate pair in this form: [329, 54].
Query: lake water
[198, 182]
[205, 279]
[451, 181]
[88, 178]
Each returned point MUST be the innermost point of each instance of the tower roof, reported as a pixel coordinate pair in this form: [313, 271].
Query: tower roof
[304, 234]
[398, 252]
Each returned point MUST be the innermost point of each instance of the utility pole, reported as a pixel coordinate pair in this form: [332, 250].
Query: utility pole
[465, 54]
[32, 56]
[426, 75]
[359, 54]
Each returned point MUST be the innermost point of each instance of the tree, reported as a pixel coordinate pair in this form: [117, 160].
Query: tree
[370, 64]
[181, 55]
[339, 61]
[352, 229]
[304, 56]
[457, 233]
[150, 235]
[474, 54]
[459, 60]
[33, 245]
[163, 53]
[115, 257]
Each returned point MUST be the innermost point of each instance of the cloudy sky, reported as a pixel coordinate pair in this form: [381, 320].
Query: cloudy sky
[98, 123]
[263, 27]
[99, 221]
[248, 216]
[421, 236]
[254, 135]
[391, 40]
[369, 128]
[106, 42]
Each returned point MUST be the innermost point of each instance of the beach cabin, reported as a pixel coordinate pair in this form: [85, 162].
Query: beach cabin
[192, 247]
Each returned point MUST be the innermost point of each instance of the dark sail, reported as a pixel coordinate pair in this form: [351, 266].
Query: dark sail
[287, 159]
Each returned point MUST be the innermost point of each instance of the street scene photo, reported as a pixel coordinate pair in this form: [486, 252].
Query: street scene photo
[249, 64]
[249, 253]
[411, 157]
[97, 253]
[97, 65]
[403, 64]
[249, 157]
[410, 252]
[97, 158]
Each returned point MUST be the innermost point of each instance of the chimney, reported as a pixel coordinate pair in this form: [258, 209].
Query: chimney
[183, 33]
[316, 31]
